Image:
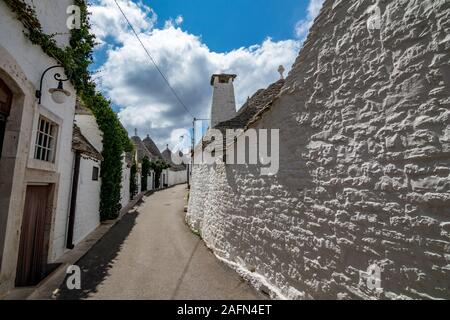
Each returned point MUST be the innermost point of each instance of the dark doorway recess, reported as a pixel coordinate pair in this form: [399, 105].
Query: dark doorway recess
[5, 108]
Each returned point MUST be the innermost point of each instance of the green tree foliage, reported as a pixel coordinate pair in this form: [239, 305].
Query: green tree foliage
[158, 166]
[76, 59]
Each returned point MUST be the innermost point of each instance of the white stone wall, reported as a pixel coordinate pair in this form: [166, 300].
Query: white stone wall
[364, 164]
[177, 177]
[90, 130]
[21, 66]
[87, 216]
[223, 103]
[125, 190]
[53, 18]
[150, 181]
[139, 181]
[164, 179]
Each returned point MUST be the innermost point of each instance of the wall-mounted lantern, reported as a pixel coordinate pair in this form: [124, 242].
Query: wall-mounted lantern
[59, 95]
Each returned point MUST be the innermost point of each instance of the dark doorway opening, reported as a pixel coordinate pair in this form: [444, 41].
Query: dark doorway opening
[157, 180]
[34, 239]
[5, 108]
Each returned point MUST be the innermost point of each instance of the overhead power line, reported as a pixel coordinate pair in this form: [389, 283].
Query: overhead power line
[154, 62]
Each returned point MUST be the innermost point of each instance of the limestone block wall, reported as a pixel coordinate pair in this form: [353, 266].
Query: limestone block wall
[364, 177]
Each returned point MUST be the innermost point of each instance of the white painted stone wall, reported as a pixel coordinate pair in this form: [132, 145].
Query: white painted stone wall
[58, 13]
[177, 177]
[90, 130]
[364, 176]
[223, 103]
[164, 179]
[150, 181]
[22, 64]
[125, 190]
[87, 216]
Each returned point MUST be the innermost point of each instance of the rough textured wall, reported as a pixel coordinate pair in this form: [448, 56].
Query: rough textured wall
[364, 164]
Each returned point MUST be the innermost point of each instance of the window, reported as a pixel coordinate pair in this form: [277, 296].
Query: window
[46, 140]
[95, 173]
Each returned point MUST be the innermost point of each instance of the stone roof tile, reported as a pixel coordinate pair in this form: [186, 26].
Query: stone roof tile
[253, 106]
[81, 144]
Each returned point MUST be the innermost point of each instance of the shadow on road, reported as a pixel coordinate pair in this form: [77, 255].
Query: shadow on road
[96, 263]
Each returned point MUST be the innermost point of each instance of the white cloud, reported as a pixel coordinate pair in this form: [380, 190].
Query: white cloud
[174, 22]
[107, 20]
[132, 82]
[303, 26]
[179, 20]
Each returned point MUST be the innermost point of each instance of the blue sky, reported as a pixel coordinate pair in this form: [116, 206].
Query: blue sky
[229, 24]
[190, 40]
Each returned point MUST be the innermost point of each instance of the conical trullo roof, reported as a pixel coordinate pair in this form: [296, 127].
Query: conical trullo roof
[141, 149]
[167, 156]
[152, 148]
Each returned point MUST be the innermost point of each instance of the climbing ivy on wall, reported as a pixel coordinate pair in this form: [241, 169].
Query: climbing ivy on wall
[76, 59]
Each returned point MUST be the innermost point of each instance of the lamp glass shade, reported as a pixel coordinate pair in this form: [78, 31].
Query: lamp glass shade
[59, 95]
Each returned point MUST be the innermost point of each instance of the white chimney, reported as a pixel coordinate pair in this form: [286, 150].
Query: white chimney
[224, 103]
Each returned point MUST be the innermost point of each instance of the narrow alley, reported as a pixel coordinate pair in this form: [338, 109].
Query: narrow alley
[152, 254]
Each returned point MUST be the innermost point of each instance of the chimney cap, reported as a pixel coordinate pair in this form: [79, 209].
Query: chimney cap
[223, 78]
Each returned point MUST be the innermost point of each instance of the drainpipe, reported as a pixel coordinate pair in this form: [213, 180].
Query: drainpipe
[73, 200]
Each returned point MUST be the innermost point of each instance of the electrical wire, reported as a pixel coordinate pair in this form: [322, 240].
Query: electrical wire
[154, 62]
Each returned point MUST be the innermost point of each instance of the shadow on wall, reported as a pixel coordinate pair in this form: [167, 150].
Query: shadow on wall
[96, 263]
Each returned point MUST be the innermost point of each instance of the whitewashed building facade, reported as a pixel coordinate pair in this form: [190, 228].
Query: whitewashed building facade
[36, 159]
[84, 207]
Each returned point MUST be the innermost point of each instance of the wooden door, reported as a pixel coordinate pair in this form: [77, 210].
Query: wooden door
[33, 247]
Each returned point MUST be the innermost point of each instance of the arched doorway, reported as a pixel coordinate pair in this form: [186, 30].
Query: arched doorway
[5, 108]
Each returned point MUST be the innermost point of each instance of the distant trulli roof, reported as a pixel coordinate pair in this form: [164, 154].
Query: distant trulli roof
[167, 156]
[141, 149]
[81, 144]
[152, 148]
[253, 106]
